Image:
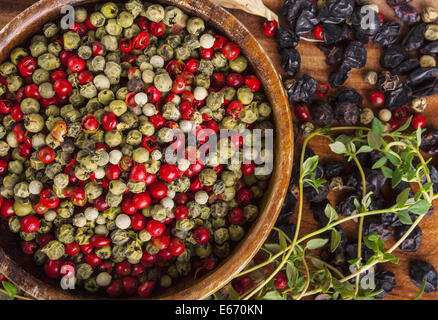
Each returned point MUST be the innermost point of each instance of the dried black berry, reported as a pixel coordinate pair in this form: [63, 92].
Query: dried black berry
[420, 270]
[355, 55]
[425, 89]
[398, 97]
[286, 38]
[333, 54]
[318, 209]
[385, 280]
[406, 66]
[306, 21]
[322, 114]
[335, 33]
[429, 142]
[290, 61]
[303, 90]
[351, 251]
[430, 48]
[420, 75]
[316, 196]
[347, 113]
[407, 14]
[388, 33]
[338, 77]
[348, 95]
[365, 20]
[336, 11]
[392, 57]
[373, 224]
[292, 9]
[347, 206]
[414, 38]
[333, 169]
[413, 242]
[397, 3]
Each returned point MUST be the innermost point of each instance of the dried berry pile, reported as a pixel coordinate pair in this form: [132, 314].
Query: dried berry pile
[345, 267]
[87, 114]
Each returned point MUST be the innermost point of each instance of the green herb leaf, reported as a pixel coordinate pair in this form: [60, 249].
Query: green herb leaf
[338, 147]
[10, 288]
[392, 158]
[330, 213]
[377, 126]
[309, 165]
[364, 149]
[272, 247]
[374, 140]
[291, 274]
[335, 240]
[273, 295]
[380, 163]
[403, 197]
[317, 263]
[405, 125]
[386, 172]
[404, 217]
[316, 243]
[282, 239]
[423, 286]
[397, 177]
[389, 257]
[421, 207]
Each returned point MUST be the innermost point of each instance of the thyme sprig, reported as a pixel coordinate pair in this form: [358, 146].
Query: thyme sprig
[401, 160]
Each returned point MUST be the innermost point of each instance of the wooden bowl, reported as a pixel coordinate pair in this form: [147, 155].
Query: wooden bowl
[21, 269]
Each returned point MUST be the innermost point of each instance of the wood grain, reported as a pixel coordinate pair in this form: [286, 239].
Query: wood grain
[313, 64]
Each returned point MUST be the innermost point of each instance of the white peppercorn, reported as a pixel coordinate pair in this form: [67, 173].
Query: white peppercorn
[201, 197]
[123, 221]
[385, 115]
[103, 279]
[91, 213]
[35, 187]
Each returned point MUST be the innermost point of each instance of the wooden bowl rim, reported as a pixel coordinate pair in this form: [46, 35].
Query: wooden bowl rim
[23, 26]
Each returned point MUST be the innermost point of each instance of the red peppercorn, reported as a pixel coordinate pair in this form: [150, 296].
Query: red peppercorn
[123, 268]
[141, 200]
[79, 28]
[128, 207]
[46, 155]
[141, 40]
[252, 82]
[92, 259]
[158, 190]
[302, 112]
[86, 248]
[138, 172]
[76, 64]
[98, 49]
[180, 198]
[148, 259]
[235, 215]
[168, 172]
[5, 106]
[323, 89]
[24, 150]
[161, 242]
[180, 212]
[112, 171]
[176, 247]
[418, 121]
[248, 168]
[145, 289]
[201, 235]
[155, 228]
[150, 178]
[130, 285]
[32, 91]
[234, 109]
[376, 98]
[28, 247]
[67, 270]
[90, 124]
[27, 66]
[244, 196]
[100, 241]
[206, 53]
[62, 87]
[7, 208]
[179, 84]
[49, 198]
[192, 65]
[280, 281]
[318, 33]
[52, 268]
[109, 121]
[58, 74]
[84, 77]
[72, 249]
[64, 56]
[138, 221]
[235, 80]
[100, 204]
[154, 95]
[30, 224]
[157, 28]
[115, 289]
[270, 28]
[165, 254]
[231, 51]
[219, 42]
[138, 270]
[16, 113]
[142, 22]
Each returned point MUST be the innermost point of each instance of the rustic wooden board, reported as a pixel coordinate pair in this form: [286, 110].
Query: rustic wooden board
[314, 65]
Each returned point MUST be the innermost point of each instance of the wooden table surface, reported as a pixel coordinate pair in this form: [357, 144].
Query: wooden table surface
[313, 63]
